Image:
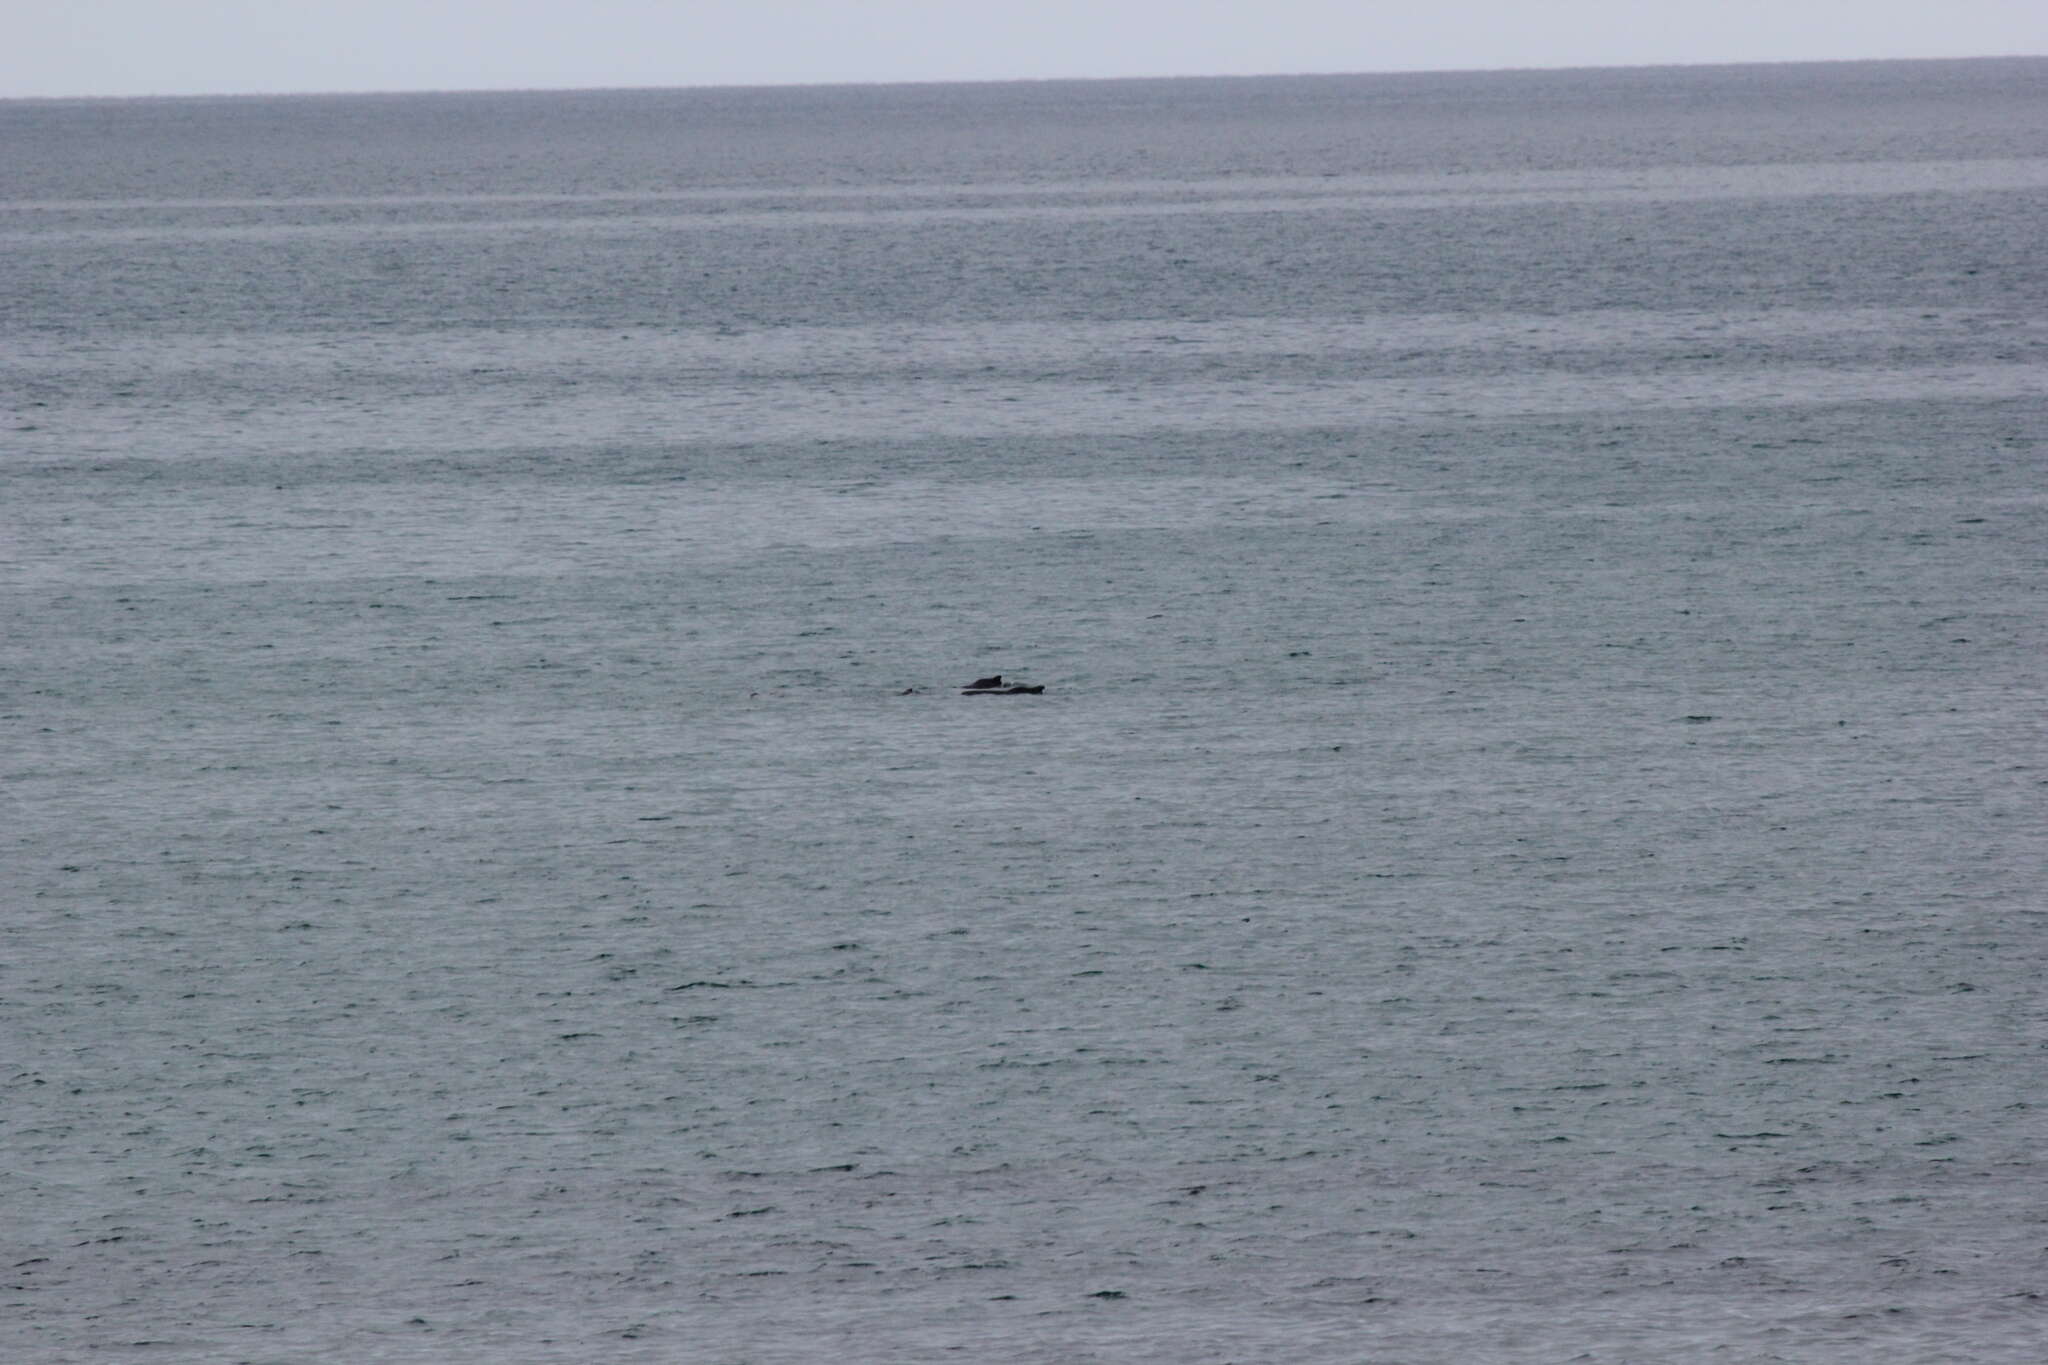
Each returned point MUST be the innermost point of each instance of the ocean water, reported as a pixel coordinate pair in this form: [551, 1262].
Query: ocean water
[1530, 849]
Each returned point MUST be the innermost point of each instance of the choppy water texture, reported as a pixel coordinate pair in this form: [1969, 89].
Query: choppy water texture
[1530, 850]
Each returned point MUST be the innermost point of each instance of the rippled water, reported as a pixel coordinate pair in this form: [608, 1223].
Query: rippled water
[1529, 849]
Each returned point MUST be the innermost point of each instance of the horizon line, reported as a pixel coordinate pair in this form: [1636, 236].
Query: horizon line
[392, 92]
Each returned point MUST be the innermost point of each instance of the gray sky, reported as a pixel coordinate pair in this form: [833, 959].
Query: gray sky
[130, 47]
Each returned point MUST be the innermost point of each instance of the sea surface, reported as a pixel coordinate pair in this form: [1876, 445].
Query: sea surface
[1531, 849]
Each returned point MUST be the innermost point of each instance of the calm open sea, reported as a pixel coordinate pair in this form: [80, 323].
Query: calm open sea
[1531, 847]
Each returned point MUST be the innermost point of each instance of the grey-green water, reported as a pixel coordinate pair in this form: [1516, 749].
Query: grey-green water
[1530, 849]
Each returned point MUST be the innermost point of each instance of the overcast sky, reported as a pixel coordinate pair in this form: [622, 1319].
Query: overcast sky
[130, 47]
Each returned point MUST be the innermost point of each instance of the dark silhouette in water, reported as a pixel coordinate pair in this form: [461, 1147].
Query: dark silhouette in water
[980, 684]
[1019, 690]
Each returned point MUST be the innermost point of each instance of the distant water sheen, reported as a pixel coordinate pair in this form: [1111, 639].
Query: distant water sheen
[1531, 847]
